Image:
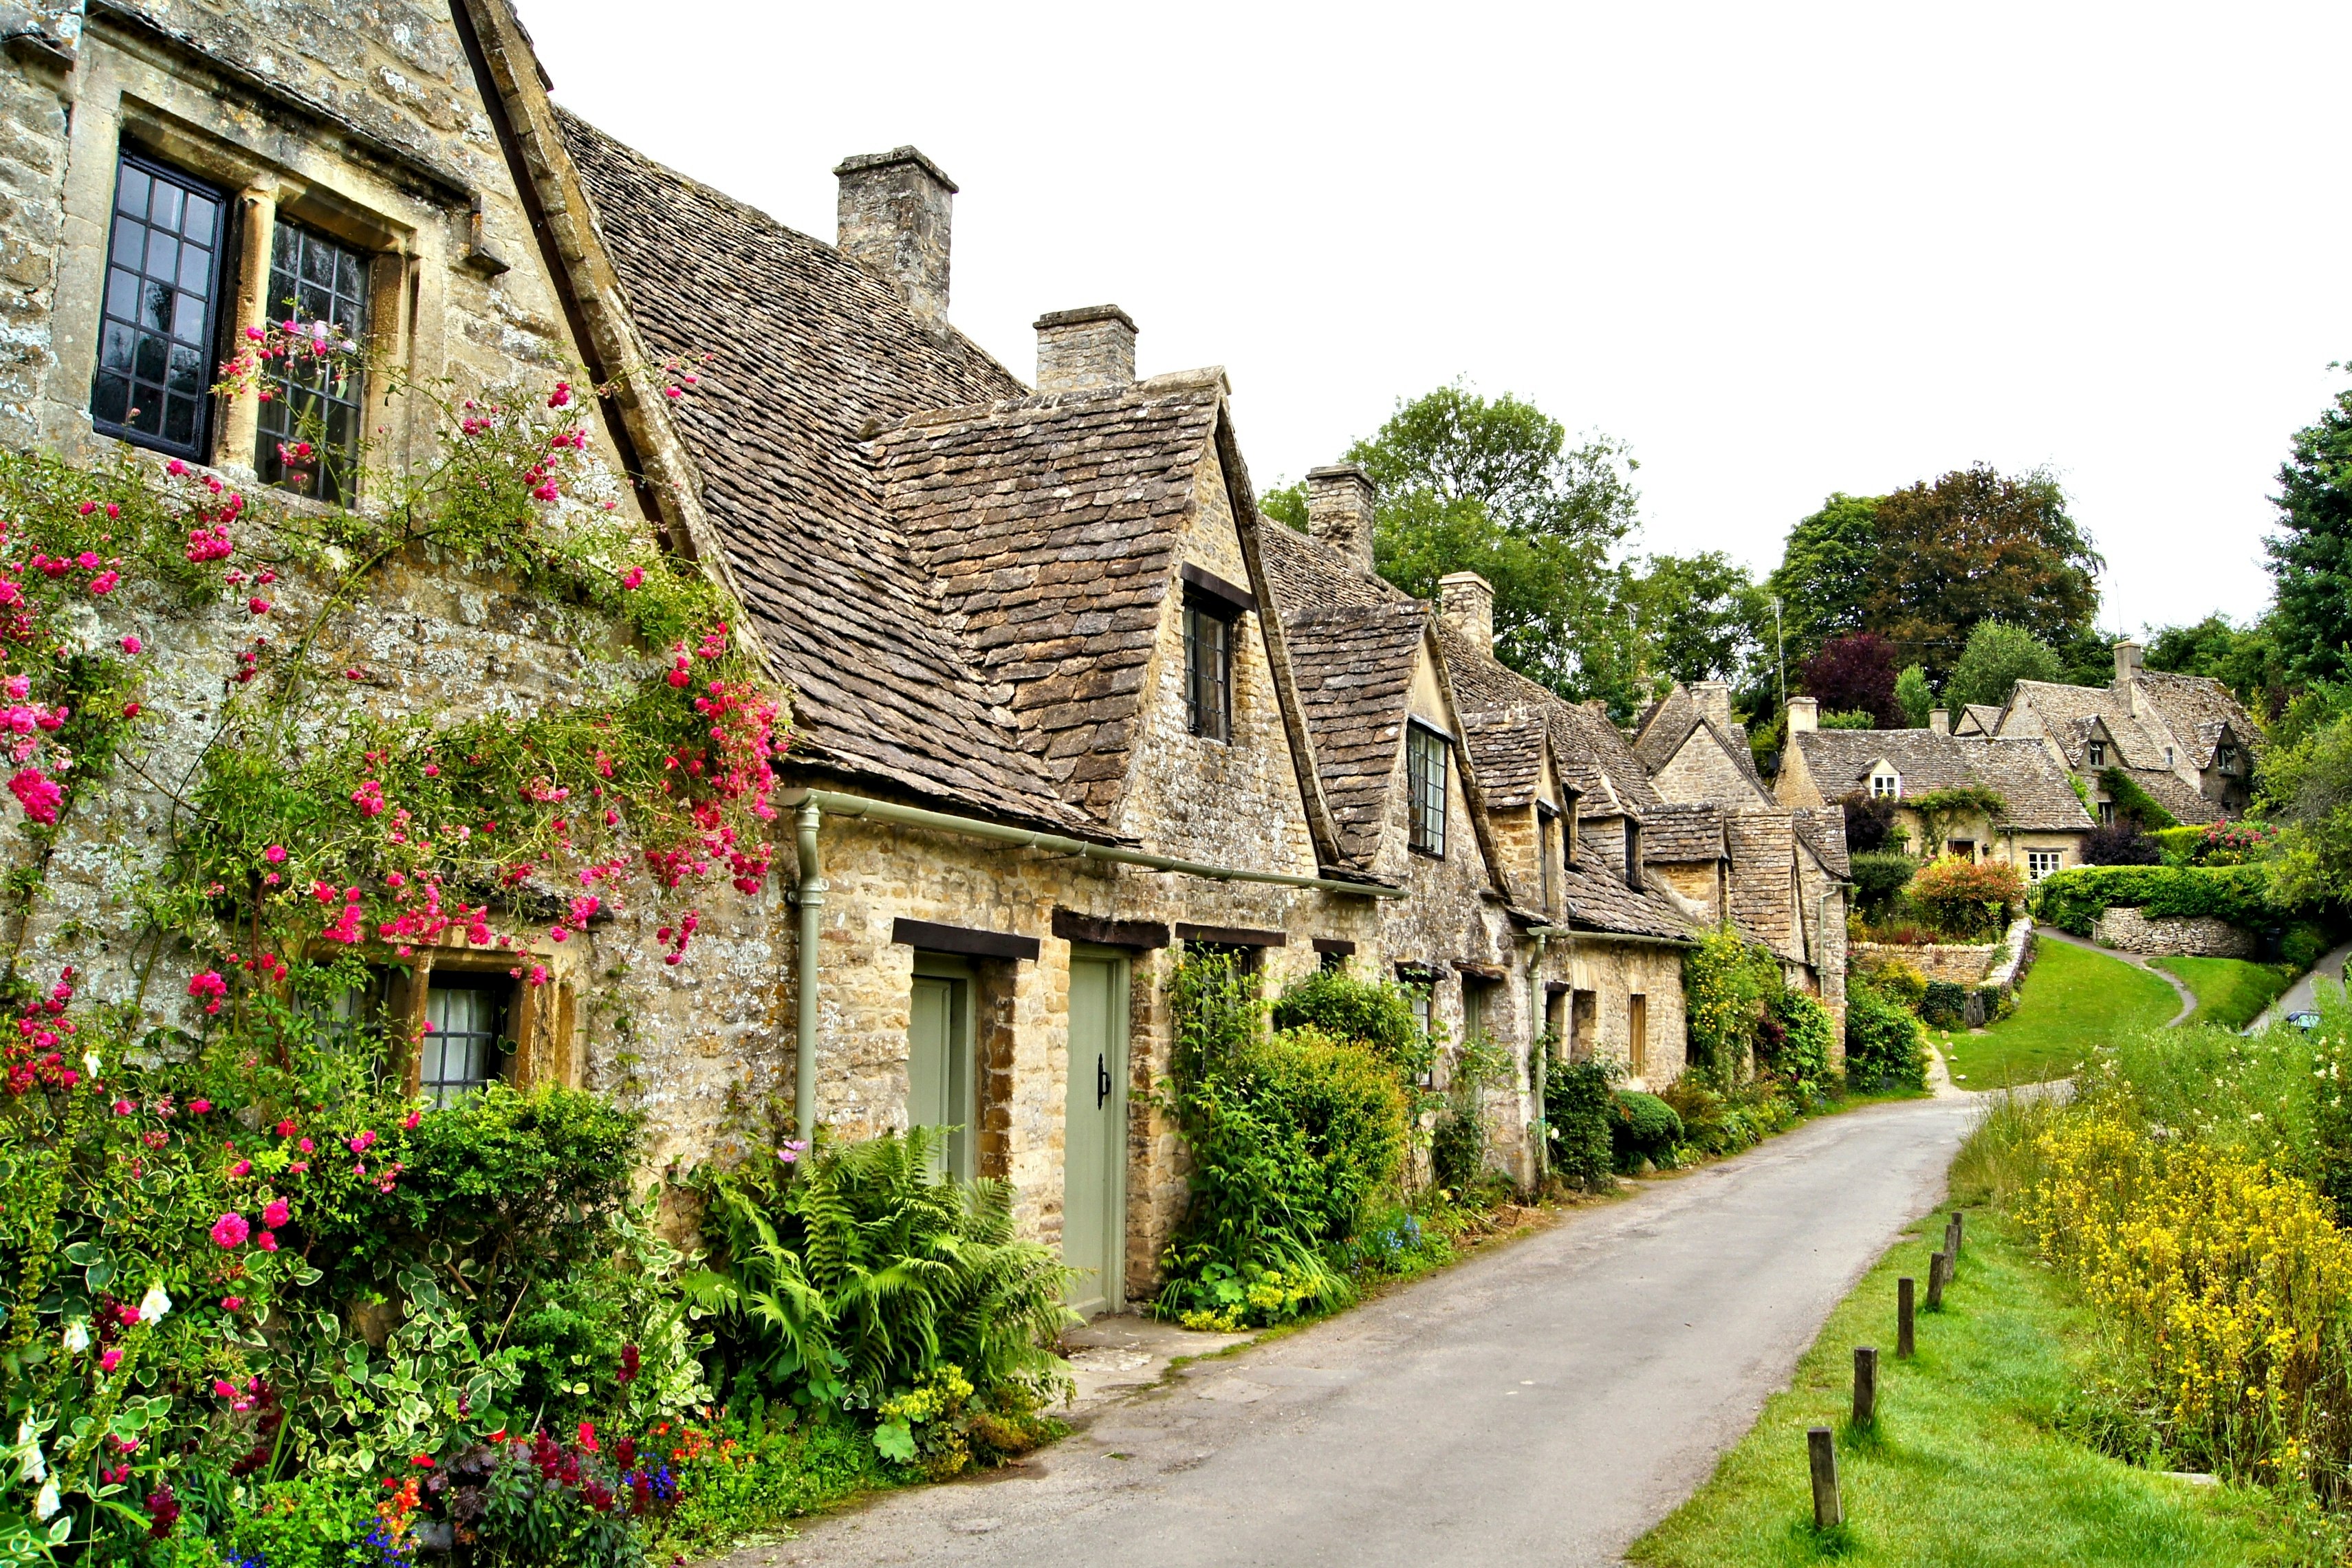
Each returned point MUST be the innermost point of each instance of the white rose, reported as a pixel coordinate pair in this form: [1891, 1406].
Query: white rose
[153, 1305]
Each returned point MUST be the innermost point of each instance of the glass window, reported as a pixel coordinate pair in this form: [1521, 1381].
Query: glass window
[1546, 827]
[2098, 753]
[465, 1019]
[1426, 756]
[1885, 786]
[156, 318]
[312, 278]
[1208, 671]
[2040, 863]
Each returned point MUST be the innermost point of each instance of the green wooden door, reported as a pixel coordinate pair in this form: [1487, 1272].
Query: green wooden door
[939, 1059]
[1093, 1168]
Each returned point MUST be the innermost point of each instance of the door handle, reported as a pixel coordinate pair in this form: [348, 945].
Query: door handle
[1102, 1081]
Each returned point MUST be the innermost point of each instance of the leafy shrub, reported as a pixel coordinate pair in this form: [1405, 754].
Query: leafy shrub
[1643, 1127]
[1336, 1115]
[1940, 1004]
[1724, 1121]
[2303, 944]
[1853, 673]
[2222, 843]
[1857, 719]
[1726, 984]
[1870, 824]
[1884, 1046]
[1966, 899]
[752, 1474]
[1577, 1122]
[1878, 876]
[2134, 803]
[1801, 1057]
[1899, 981]
[1375, 1014]
[2121, 843]
[849, 1275]
[1999, 655]
[2075, 899]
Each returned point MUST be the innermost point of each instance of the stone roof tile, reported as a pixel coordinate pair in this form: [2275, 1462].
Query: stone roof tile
[2039, 795]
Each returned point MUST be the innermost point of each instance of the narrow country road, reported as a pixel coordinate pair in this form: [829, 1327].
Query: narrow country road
[1545, 1402]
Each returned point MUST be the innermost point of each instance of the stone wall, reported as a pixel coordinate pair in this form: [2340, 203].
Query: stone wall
[2198, 937]
[1962, 964]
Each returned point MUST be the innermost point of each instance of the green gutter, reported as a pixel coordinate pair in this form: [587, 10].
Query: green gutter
[811, 806]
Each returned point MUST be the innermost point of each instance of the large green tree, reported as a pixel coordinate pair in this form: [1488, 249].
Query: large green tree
[2311, 555]
[2249, 660]
[1997, 658]
[1701, 618]
[1825, 574]
[1978, 545]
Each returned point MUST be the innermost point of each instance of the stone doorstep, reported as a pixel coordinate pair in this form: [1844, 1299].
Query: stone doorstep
[1122, 1353]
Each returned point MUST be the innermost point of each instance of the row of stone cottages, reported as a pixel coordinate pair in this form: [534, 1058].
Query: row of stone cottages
[1064, 699]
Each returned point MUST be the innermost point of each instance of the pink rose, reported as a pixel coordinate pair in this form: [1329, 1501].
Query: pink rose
[275, 855]
[230, 1231]
[277, 1213]
[362, 1141]
[198, 1107]
[110, 1360]
[132, 644]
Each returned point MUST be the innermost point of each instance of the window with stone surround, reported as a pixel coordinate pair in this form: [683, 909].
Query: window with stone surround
[1885, 785]
[1428, 757]
[465, 1045]
[160, 311]
[1547, 829]
[314, 279]
[2040, 863]
[1208, 669]
[2098, 753]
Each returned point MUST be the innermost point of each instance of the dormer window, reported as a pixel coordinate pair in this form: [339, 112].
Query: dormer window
[1885, 785]
[2225, 757]
[1428, 758]
[1547, 827]
[1209, 670]
[1632, 853]
[2098, 753]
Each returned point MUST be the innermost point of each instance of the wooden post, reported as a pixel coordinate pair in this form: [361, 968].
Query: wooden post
[1905, 1341]
[1960, 1230]
[1936, 1282]
[1951, 1243]
[1828, 1513]
[1865, 1386]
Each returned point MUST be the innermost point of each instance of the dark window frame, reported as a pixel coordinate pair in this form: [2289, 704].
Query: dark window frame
[1426, 787]
[339, 388]
[1547, 824]
[130, 288]
[497, 1040]
[1211, 629]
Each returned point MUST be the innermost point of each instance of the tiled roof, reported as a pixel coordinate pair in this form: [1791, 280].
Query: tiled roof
[1593, 757]
[1597, 899]
[1353, 646]
[2198, 708]
[2038, 794]
[2069, 713]
[1664, 726]
[815, 355]
[2175, 794]
[1985, 716]
[1822, 828]
[1049, 526]
[1508, 746]
[1763, 863]
[1675, 834]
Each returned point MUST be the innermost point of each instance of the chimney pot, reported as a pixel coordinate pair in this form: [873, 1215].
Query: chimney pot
[1467, 602]
[1091, 346]
[1339, 512]
[1939, 719]
[1804, 714]
[895, 212]
[2127, 657]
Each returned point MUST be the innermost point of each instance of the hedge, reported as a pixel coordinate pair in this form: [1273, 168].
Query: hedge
[2073, 900]
[2130, 800]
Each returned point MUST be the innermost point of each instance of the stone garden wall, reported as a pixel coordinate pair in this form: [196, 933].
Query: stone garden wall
[2186, 937]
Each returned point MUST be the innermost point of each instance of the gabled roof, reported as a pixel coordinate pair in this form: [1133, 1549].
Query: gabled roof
[2200, 710]
[2038, 794]
[1509, 745]
[2072, 714]
[2175, 794]
[818, 355]
[1659, 733]
[1049, 528]
[1597, 899]
[1763, 847]
[1822, 829]
[1674, 834]
[1593, 757]
[1977, 719]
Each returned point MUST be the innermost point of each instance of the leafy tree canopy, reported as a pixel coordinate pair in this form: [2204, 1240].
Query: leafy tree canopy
[1975, 546]
[1825, 573]
[1914, 696]
[2311, 555]
[1856, 674]
[1700, 618]
[1997, 658]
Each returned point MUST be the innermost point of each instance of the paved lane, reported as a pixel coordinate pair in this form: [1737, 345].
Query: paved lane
[1543, 1404]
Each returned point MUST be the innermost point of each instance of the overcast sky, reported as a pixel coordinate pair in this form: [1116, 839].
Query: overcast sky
[1779, 252]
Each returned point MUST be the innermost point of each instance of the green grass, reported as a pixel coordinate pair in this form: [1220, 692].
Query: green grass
[2231, 992]
[1967, 1466]
[2073, 1001]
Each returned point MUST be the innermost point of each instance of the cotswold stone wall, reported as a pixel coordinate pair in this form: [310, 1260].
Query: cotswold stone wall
[2198, 937]
[1960, 963]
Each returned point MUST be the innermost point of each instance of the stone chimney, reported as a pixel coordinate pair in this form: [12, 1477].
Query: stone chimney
[1467, 602]
[1091, 346]
[894, 210]
[1804, 714]
[2127, 656]
[1939, 719]
[1339, 512]
[1713, 700]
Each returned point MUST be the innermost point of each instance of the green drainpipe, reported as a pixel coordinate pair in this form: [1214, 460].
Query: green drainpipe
[811, 805]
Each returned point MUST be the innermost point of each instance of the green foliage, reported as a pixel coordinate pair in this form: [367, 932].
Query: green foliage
[1801, 1054]
[852, 1273]
[2134, 803]
[1967, 900]
[1879, 877]
[1375, 1014]
[2311, 554]
[2075, 899]
[1942, 810]
[757, 1475]
[1884, 1046]
[2307, 788]
[1940, 1004]
[1700, 618]
[1724, 1121]
[320, 1522]
[1978, 546]
[1337, 1116]
[1826, 571]
[1917, 698]
[1726, 982]
[2249, 661]
[1996, 658]
[1854, 721]
[1643, 1127]
[1577, 1104]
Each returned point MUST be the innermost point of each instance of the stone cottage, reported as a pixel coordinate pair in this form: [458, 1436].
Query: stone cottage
[2039, 830]
[2182, 739]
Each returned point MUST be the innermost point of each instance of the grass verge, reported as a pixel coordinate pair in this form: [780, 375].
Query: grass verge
[1970, 1462]
[2073, 1002]
[2231, 992]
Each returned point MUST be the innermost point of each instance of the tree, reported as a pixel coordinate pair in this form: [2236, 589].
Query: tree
[1700, 618]
[1856, 673]
[1914, 696]
[2250, 662]
[1975, 546]
[2311, 555]
[1997, 658]
[1825, 573]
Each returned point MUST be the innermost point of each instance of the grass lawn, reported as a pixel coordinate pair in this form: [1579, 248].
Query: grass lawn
[2072, 1000]
[1966, 1464]
[2231, 992]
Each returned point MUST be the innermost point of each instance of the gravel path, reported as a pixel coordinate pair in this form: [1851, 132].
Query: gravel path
[1545, 1401]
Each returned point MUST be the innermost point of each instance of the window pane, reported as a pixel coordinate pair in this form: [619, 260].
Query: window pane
[350, 276]
[318, 263]
[155, 307]
[179, 419]
[147, 410]
[123, 295]
[165, 213]
[197, 223]
[196, 270]
[150, 359]
[130, 193]
[130, 242]
[162, 255]
[111, 401]
[187, 373]
[188, 319]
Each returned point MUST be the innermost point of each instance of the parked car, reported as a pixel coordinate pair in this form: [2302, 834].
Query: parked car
[2304, 1020]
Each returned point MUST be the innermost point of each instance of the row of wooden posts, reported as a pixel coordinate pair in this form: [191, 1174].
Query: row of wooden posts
[1829, 1511]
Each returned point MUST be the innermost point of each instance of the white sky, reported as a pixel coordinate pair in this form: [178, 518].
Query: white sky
[1780, 251]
